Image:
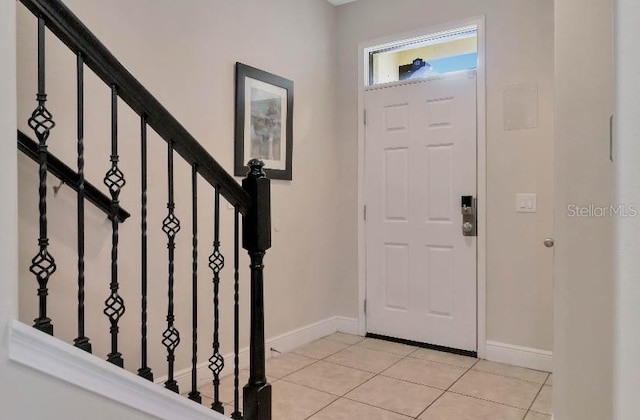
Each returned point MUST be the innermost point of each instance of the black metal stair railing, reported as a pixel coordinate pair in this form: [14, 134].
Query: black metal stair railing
[251, 202]
[144, 371]
[194, 394]
[171, 227]
[216, 263]
[43, 265]
[82, 341]
[68, 176]
[114, 180]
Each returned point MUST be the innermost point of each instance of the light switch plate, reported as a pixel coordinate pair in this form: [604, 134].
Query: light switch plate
[526, 203]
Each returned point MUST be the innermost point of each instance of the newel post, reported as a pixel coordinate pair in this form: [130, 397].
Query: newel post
[256, 239]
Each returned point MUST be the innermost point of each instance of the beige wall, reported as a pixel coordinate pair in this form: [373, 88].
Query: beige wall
[519, 50]
[584, 274]
[185, 54]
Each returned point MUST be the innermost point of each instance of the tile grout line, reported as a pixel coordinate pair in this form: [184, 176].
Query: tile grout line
[375, 406]
[316, 412]
[403, 357]
[490, 401]
[429, 386]
[336, 364]
[537, 394]
[316, 361]
[343, 396]
[410, 382]
[324, 359]
[508, 377]
[447, 390]
[374, 376]
[536, 397]
[358, 344]
[527, 411]
[511, 377]
[354, 368]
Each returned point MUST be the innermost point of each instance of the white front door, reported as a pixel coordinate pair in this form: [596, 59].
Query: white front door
[420, 159]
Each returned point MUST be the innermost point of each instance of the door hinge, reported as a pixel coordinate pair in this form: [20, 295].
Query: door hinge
[365, 306]
[365, 213]
[365, 117]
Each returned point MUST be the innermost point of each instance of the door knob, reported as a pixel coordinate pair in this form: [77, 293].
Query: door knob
[467, 227]
[549, 242]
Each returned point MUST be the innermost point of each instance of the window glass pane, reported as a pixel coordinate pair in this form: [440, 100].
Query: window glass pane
[445, 54]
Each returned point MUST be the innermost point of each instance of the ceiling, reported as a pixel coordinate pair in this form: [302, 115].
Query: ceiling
[339, 2]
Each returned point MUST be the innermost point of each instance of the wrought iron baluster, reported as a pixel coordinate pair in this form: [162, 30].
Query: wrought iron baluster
[237, 414]
[145, 370]
[171, 226]
[81, 341]
[194, 394]
[114, 180]
[216, 263]
[43, 265]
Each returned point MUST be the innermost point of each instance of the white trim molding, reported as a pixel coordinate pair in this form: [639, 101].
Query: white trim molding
[62, 361]
[520, 356]
[346, 325]
[56, 358]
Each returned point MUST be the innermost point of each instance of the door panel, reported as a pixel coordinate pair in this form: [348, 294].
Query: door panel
[420, 159]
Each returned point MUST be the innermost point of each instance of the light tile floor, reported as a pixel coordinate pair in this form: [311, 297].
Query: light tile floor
[346, 377]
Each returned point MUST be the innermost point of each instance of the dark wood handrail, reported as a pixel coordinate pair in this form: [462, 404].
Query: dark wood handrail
[72, 32]
[60, 170]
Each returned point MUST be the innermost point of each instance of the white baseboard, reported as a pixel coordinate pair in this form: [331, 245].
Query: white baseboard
[64, 362]
[282, 343]
[520, 356]
[347, 325]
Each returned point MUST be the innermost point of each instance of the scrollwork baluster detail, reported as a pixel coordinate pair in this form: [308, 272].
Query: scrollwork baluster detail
[115, 181]
[216, 264]
[43, 264]
[171, 227]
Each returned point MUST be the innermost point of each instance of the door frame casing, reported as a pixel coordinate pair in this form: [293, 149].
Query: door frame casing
[481, 177]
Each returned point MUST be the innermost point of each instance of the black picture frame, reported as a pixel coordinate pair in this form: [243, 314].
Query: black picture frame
[263, 122]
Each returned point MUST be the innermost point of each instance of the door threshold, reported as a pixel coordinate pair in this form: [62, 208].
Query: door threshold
[467, 353]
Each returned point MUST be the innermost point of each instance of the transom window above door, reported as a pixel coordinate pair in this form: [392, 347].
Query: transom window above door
[440, 53]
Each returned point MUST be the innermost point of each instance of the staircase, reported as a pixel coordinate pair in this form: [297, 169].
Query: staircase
[250, 203]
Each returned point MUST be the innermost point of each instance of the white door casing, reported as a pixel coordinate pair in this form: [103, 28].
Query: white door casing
[420, 159]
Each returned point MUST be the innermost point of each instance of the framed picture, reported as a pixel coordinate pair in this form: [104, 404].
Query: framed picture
[264, 122]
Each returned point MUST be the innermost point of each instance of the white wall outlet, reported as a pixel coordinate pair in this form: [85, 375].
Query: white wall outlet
[526, 203]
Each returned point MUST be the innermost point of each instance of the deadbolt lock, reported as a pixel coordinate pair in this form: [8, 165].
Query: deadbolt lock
[468, 209]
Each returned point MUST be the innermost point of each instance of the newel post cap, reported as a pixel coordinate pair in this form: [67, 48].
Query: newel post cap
[256, 169]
